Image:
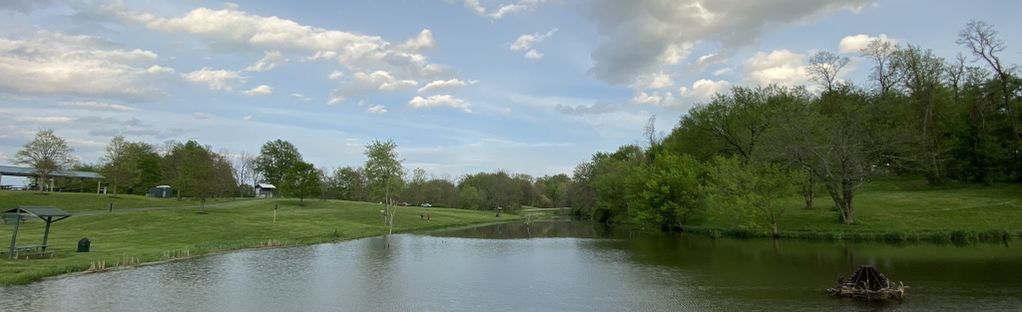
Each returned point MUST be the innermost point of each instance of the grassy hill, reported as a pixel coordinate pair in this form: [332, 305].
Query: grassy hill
[900, 209]
[133, 237]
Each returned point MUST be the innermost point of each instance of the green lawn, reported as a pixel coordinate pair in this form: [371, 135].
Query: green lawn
[86, 201]
[908, 209]
[132, 237]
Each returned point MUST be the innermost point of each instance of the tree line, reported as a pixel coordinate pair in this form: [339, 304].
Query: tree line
[744, 151]
[197, 171]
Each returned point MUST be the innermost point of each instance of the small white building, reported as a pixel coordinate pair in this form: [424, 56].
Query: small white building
[265, 190]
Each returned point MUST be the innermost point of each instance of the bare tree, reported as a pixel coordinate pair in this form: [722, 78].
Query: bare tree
[650, 131]
[884, 72]
[824, 68]
[244, 167]
[47, 153]
[981, 39]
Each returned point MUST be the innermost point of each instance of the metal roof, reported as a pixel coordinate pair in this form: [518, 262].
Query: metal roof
[266, 186]
[48, 213]
[31, 172]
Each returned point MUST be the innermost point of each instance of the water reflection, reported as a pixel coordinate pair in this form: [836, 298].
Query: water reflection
[570, 267]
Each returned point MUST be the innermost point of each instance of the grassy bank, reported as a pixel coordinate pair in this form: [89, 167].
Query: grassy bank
[898, 210]
[134, 237]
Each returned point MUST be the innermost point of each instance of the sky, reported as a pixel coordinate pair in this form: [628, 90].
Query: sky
[462, 86]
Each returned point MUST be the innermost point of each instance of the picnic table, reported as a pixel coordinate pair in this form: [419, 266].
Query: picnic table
[29, 251]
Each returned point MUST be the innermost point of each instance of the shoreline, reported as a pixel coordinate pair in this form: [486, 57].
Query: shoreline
[214, 252]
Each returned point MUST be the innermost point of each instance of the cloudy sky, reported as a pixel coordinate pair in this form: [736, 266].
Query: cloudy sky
[462, 86]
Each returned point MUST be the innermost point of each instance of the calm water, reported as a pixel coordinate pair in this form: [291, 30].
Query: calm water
[542, 267]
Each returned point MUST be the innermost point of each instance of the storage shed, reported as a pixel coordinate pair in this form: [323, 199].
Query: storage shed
[265, 190]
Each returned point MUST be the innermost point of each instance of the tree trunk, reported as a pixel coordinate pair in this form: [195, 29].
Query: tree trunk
[847, 193]
[776, 230]
[808, 191]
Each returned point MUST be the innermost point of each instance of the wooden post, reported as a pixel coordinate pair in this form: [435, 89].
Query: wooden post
[14, 237]
[46, 234]
[275, 213]
[111, 206]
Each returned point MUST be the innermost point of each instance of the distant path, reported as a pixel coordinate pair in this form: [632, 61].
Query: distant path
[214, 205]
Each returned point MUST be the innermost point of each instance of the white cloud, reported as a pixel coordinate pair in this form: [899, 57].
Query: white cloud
[437, 85]
[439, 100]
[520, 6]
[54, 63]
[647, 36]
[157, 69]
[475, 6]
[675, 53]
[507, 9]
[247, 117]
[597, 108]
[855, 43]
[231, 29]
[201, 115]
[377, 109]
[44, 119]
[780, 67]
[533, 54]
[422, 41]
[300, 96]
[653, 81]
[526, 41]
[216, 79]
[384, 81]
[94, 105]
[704, 88]
[334, 75]
[269, 61]
[361, 84]
[655, 98]
[723, 71]
[260, 90]
[709, 59]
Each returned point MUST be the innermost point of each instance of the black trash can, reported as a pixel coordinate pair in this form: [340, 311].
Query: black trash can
[83, 245]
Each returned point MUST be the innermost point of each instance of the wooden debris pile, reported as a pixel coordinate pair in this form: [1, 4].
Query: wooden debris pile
[868, 284]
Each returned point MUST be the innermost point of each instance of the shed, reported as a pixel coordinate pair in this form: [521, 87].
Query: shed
[161, 191]
[265, 190]
[23, 213]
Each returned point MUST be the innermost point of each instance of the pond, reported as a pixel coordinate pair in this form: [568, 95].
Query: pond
[545, 266]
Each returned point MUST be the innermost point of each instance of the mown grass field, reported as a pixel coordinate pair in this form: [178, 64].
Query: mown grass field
[134, 237]
[898, 209]
[87, 201]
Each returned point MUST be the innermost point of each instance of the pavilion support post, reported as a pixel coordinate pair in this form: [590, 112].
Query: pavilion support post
[14, 237]
[46, 233]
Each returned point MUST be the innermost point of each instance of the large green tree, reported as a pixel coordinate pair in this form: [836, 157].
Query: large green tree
[196, 171]
[301, 180]
[275, 159]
